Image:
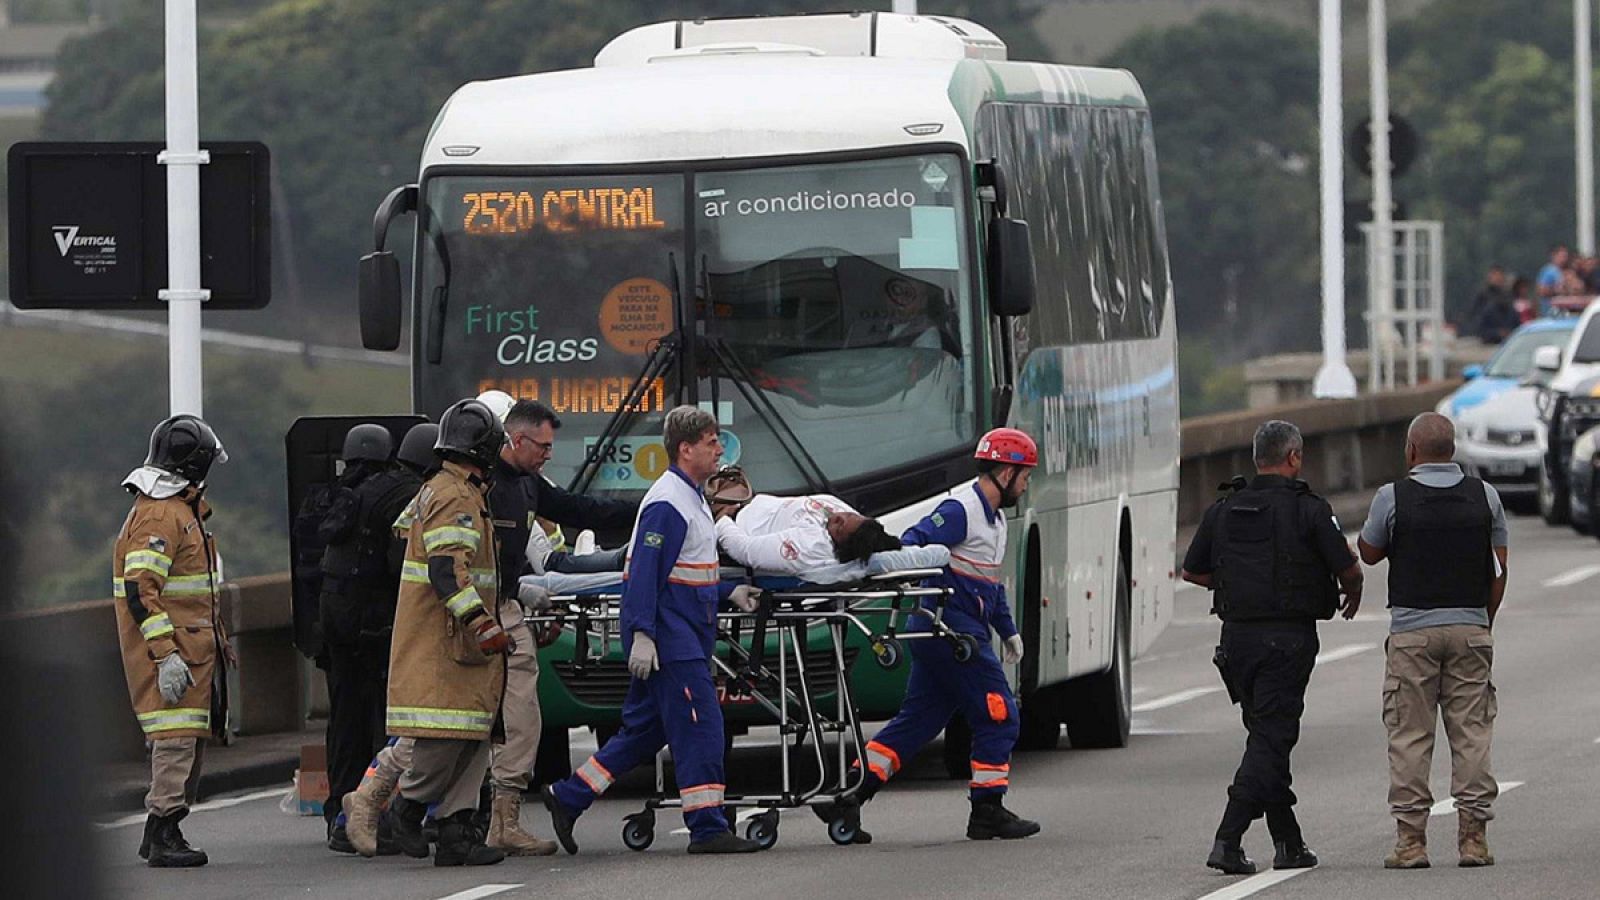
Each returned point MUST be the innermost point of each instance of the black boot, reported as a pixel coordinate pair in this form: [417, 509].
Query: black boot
[405, 820]
[387, 846]
[168, 849]
[990, 819]
[1230, 859]
[149, 829]
[724, 842]
[561, 821]
[338, 841]
[461, 844]
[1293, 855]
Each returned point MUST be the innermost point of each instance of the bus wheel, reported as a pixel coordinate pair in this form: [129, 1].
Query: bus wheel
[1099, 707]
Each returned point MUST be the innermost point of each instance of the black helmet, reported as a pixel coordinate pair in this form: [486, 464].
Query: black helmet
[369, 442]
[471, 431]
[185, 446]
[416, 448]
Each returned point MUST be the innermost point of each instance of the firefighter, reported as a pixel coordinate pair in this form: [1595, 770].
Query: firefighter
[165, 578]
[972, 524]
[447, 658]
[669, 604]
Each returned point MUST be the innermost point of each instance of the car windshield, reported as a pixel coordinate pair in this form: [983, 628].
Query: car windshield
[1515, 358]
[1588, 349]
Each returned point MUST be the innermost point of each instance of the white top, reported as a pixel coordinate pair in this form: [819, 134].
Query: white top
[788, 536]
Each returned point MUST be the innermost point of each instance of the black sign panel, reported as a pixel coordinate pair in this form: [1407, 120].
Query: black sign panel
[89, 226]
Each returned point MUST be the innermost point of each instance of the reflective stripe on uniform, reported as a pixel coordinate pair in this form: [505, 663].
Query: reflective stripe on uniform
[988, 775]
[882, 761]
[694, 574]
[150, 560]
[463, 601]
[595, 776]
[971, 568]
[485, 577]
[158, 625]
[180, 718]
[701, 796]
[450, 536]
[187, 585]
[116, 588]
[440, 719]
[414, 572]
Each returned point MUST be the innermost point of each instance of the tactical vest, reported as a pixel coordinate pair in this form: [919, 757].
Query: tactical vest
[1440, 554]
[360, 583]
[1264, 564]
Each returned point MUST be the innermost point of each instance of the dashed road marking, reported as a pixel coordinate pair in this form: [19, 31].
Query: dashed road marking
[222, 803]
[1447, 806]
[482, 890]
[1571, 576]
[1345, 652]
[1254, 884]
[1174, 699]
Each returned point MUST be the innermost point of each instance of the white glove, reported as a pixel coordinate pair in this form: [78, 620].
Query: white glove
[1012, 652]
[173, 678]
[533, 598]
[643, 660]
[745, 598]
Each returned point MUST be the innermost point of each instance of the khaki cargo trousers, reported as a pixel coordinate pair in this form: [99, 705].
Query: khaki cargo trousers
[1433, 672]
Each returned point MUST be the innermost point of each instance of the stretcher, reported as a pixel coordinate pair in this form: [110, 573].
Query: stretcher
[778, 679]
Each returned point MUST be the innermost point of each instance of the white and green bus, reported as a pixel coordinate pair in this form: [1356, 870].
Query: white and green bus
[862, 240]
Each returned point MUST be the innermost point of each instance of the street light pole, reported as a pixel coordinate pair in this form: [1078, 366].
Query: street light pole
[183, 158]
[1334, 379]
[1583, 80]
[1381, 274]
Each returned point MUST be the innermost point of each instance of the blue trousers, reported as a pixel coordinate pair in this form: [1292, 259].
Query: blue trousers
[938, 687]
[677, 707]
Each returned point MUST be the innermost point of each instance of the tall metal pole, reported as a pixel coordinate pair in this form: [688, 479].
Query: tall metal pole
[1583, 81]
[1381, 302]
[183, 159]
[1334, 378]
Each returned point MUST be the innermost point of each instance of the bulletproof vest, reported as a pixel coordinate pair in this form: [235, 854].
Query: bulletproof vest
[358, 553]
[1263, 561]
[1440, 553]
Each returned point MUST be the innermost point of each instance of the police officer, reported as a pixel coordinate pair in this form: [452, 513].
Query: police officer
[669, 604]
[1270, 551]
[972, 524]
[519, 496]
[447, 659]
[360, 582]
[165, 579]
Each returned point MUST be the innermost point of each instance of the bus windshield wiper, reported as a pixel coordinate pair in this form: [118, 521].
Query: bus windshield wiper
[743, 379]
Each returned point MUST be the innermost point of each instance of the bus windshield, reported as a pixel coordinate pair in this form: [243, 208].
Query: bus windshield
[830, 302]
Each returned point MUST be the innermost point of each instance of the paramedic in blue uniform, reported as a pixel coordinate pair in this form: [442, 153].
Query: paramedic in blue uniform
[669, 604]
[973, 525]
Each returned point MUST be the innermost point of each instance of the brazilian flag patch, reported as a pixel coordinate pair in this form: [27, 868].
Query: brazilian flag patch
[938, 520]
[652, 538]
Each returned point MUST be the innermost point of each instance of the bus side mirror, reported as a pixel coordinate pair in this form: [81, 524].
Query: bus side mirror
[1010, 265]
[379, 286]
[1547, 359]
[1471, 372]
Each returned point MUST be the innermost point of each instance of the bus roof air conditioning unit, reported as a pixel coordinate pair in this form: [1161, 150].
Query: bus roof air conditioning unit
[883, 35]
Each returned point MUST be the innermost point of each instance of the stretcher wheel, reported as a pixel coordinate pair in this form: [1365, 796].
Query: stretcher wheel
[843, 830]
[886, 651]
[763, 829]
[965, 647]
[638, 833]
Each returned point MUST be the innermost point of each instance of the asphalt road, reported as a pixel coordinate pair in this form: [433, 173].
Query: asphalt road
[1135, 822]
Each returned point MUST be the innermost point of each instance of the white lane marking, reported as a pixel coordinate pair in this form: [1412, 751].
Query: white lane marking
[1446, 807]
[1174, 699]
[1569, 578]
[482, 890]
[744, 816]
[1345, 652]
[223, 803]
[1254, 884]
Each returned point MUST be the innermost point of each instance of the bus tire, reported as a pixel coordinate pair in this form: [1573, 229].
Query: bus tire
[1099, 708]
[957, 751]
[553, 761]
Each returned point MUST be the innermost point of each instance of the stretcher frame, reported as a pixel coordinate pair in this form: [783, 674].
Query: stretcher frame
[785, 692]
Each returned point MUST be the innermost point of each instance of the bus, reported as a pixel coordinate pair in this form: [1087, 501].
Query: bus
[861, 240]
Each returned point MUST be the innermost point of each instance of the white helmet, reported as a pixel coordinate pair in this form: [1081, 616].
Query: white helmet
[499, 403]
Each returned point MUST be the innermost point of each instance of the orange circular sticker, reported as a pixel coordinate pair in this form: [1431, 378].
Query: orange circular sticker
[634, 313]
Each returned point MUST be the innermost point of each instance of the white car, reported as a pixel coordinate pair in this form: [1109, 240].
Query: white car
[1562, 418]
[1495, 441]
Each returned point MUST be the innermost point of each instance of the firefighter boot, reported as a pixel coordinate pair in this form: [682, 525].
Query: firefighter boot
[1472, 841]
[1228, 858]
[461, 843]
[1410, 848]
[990, 819]
[405, 818]
[149, 829]
[362, 808]
[168, 849]
[505, 827]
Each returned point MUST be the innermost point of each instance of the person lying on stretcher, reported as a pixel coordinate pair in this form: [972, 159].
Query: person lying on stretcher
[817, 536]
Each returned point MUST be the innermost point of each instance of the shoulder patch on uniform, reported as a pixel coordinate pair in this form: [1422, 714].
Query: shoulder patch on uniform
[653, 539]
[159, 545]
[938, 519]
[464, 520]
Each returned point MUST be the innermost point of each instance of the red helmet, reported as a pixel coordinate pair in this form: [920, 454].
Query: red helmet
[1008, 445]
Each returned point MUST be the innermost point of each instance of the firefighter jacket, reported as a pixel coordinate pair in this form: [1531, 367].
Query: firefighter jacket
[976, 536]
[164, 581]
[441, 685]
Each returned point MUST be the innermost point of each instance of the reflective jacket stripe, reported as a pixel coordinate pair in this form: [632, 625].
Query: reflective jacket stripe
[694, 574]
[595, 776]
[187, 585]
[414, 572]
[485, 577]
[159, 563]
[701, 796]
[987, 775]
[178, 719]
[971, 568]
[159, 625]
[463, 601]
[441, 719]
[116, 588]
[450, 536]
[883, 761]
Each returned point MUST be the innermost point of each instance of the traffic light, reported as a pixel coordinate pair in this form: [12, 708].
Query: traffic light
[1403, 146]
